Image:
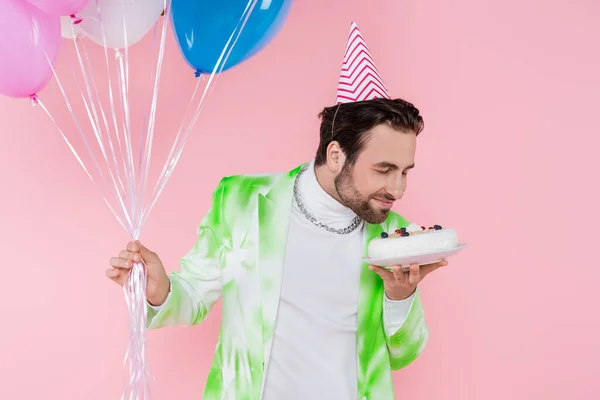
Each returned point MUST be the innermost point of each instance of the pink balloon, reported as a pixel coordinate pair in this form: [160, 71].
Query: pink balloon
[29, 39]
[60, 7]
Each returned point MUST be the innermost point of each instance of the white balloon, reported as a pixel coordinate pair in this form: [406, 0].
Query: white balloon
[67, 28]
[137, 16]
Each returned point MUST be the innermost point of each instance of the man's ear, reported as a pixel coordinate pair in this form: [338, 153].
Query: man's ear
[335, 157]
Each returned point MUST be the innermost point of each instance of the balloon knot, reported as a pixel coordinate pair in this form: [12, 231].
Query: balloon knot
[197, 74]
[76, 21]
[118, 55]
[34, 99]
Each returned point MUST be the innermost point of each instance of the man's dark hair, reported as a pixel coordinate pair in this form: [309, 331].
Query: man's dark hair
[350, 124]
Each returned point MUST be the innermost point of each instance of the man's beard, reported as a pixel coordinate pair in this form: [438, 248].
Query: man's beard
[351, 198]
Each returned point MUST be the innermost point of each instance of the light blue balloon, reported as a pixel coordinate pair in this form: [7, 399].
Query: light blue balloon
[203, 28]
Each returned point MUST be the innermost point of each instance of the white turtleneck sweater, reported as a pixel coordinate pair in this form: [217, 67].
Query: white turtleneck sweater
[314, 345]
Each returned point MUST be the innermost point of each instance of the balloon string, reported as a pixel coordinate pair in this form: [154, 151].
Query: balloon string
[111, 97]
[138, 386]
[149, 136]
[81, 133]
[135, 362]
[104, 118]
[145, 120]
[93, 117]
[180, 139]
[37, 101]
[124, 76]
[94, 121]
[126, 129]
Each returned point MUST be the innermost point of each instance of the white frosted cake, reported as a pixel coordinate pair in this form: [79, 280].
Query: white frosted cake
[411, 241]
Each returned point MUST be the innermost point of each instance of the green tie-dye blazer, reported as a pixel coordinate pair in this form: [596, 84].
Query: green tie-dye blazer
[238, 258]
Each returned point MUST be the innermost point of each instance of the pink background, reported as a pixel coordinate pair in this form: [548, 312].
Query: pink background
[510, 92]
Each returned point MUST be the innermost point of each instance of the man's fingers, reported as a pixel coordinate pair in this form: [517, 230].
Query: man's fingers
[147, 255]
[399, 274]
[414, 274]
[115, 275]
[426, 269]
[382, 272]
[117, 262]
[129, 255]
[112, 273]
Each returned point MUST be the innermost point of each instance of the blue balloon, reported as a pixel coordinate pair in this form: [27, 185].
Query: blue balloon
[203, 28]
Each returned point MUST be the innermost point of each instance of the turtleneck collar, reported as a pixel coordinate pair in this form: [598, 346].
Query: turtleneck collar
[319, 203]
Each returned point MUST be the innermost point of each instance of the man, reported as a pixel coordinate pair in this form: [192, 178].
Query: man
[302, 316]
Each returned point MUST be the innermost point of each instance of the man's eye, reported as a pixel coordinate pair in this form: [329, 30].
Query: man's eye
[383, 172]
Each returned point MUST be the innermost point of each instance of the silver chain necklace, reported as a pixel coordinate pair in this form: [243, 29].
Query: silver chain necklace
[298, 197]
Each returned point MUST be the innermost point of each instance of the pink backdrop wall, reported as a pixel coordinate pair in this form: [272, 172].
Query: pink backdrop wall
[510, 92]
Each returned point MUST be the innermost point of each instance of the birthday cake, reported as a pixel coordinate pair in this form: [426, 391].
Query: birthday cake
[412, 241]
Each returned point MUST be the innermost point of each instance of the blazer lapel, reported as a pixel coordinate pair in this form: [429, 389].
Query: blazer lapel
[274, 210]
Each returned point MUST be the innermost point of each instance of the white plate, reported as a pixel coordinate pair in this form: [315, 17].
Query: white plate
[421, 259]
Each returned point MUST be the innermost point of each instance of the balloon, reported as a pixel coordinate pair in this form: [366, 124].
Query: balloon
[203, 27]
[67, 28]
[29, 42]
[138, 17]
[60, 7]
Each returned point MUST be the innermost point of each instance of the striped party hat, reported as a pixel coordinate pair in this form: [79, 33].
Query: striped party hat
[359, 78]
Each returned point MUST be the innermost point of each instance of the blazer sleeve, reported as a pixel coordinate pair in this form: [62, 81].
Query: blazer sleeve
[407, 343]
[197, 286]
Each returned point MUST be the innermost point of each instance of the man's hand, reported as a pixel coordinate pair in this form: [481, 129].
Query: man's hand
[158, 285]
[401, 285]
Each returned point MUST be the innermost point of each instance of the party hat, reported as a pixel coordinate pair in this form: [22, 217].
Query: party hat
[359, 78]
